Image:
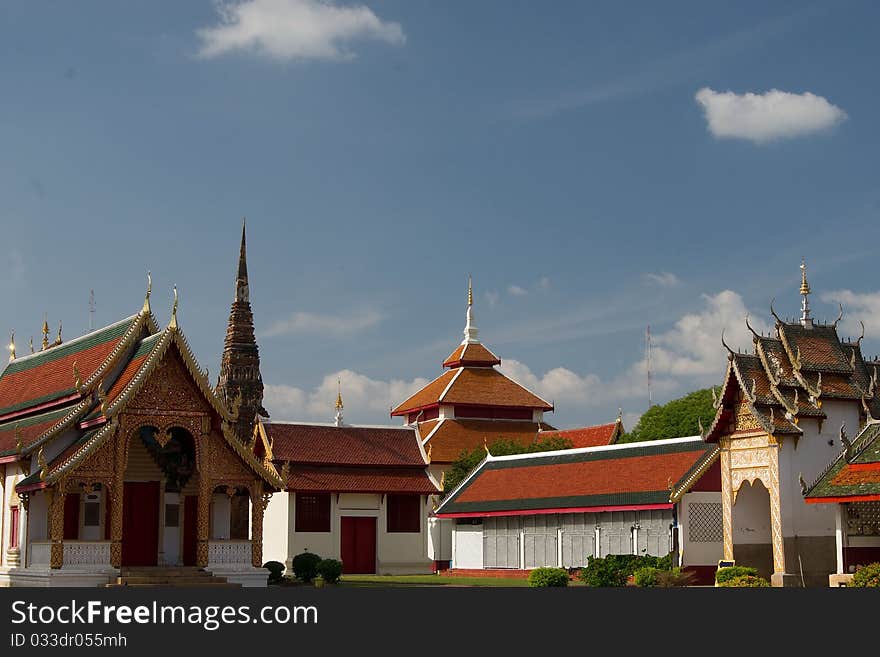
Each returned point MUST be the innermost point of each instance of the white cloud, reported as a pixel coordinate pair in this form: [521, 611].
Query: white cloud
[764, 117]
[543, 283]
[315, 323]
[367, 401]
[857, 306]
[663, 279]
[517, 291]
[492, 298]
[294, 29]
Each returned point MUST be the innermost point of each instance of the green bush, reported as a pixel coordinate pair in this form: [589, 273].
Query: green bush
[614, 569]
[276, 571]
[745, 581]
[674, 577]
[722, 575]
[330, 570]
[867, 576]
[646, 576]
[305, 566]
[541, 577]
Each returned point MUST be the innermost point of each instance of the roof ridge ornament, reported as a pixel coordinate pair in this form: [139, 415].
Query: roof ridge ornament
[806, 320]
[726, 346]
[859, 340]
[839, 316]
[173, 323]
[470, 330]
[12, 346]
[31, 344]
[58, 338]
[77, 379]
[845, 441]
[773, 312]
[716, 400]
[146, 309]
[749, 326]
[339, 405]
[45, 332]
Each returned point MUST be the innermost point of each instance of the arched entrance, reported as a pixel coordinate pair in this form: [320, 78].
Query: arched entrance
[160, 477]
[752, 528]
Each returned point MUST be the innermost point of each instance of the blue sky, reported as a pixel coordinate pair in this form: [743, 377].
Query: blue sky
[597, 167]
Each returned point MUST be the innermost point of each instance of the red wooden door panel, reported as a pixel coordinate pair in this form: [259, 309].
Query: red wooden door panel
[358, 545]
[71, 516]
[190, 524]
[140, 523]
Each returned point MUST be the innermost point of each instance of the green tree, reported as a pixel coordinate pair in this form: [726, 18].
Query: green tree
[674, 419]
[470, 459]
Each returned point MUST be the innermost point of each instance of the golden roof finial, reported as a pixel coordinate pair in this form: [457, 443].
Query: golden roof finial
[486, 447]
[41, 461]
[339, 405]
[12, 346]
[806, 320]
[77, 379]
[146, 308]
[428, 453]
[45, 332]
[173, 323]
[470, 291]
[19, 445]
[58, 339]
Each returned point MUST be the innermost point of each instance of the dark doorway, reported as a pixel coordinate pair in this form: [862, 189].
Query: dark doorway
[190, 529]
[140, 523]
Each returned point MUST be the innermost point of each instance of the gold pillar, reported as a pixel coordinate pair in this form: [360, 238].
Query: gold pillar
[56, 499]
[206, 489]
[775, 508]
[259, 500]
[115, 498]
[726, 500]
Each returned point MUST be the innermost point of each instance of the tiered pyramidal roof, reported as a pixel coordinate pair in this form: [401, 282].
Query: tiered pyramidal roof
[240, 384]
[472, 402]
[792, 371]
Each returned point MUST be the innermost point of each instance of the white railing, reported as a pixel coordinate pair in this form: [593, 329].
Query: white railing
[40, 553]
[86, 553]
[229, 553]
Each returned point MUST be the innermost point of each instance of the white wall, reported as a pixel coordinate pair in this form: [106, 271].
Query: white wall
[751, 515]
[467, 548]
[702, 553]
[220, 516]
[275, 527]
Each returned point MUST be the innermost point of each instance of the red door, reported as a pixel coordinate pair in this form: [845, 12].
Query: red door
[358, 547]
[190, 524]
[71, 516]
[140, 523]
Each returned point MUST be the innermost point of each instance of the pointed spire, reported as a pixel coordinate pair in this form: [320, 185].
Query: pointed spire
[31, 344]
[58, 339]
[242, 292]
[12, 346]
[806, 320]
[173, 322]
[146, 309]
[470, 331]
[339, 405]
[45, 332]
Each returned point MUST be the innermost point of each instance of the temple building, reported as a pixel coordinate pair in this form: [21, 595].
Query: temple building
[850, 485]
[119, 458]
[471, 403]
[359, 494]
[776, 423]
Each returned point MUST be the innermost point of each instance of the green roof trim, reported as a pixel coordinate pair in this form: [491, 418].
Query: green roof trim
[568, 502]
[865, 448]
[57, 413]
[34, 477]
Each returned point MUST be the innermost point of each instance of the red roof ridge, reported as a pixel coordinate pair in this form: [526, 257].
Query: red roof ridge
[599, 448]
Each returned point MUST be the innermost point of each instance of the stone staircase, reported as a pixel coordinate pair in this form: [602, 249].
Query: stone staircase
[177, 576]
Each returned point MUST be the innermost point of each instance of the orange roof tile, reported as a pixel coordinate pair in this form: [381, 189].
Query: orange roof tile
[471, 354]
[427, 396]
[489, 387]
[453, 437]
[595, 436]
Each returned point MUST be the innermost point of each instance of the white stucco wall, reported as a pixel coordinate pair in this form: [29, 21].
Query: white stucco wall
[275, 528]
[699, 553]
[220, 516]
[467, 547]
[751, 515]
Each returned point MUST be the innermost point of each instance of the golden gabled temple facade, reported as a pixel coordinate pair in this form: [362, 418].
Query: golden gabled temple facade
[779, 421]
[117, 453]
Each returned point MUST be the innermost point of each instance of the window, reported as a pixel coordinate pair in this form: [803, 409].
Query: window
[92, 510]
[313, 512]
[172, 515]
[705, 524]
[404, 513]
[13, 521]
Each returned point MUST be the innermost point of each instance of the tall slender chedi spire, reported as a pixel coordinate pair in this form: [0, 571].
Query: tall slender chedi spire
[806, 320]
[240, 382]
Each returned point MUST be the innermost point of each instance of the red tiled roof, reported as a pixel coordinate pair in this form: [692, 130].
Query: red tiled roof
[454, 436]
[345, 445]
[489, 387]
[427, 395]
[360, 480]
[595, 436]
[852, 476]
[48, 375]
[30, 429]
[471, 354]
[820, 348]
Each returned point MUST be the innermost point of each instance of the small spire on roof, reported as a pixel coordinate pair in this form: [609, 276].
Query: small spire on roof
[45, 332]
[173, 322]
[806, 320]
[58, 339]
[12, 346]
[146, 308]
[470, 331]
[31, 344]
[339, 405]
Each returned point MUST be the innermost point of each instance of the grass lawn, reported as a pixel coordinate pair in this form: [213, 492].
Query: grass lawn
[428, 580]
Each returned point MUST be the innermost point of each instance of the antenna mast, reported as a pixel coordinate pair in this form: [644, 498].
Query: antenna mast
[649, 365]
[91, 310]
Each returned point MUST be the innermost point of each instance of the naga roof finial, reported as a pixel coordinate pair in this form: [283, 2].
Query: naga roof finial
[803, 483]
[146, 308]
[726, 346]
[859, 340]
[749, 326]
[173, 323]
[58, 338]
[12, 346]
[839, 315]
[773, 312]
[31, 344]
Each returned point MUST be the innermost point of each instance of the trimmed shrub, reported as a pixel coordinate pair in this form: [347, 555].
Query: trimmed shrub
[745, 581]
[542, 577]
[722, 575]
[867, 576]
[276, 571]
[602, 573]
[674, 577]
[646, 576]
[305, 566]
[330, 570]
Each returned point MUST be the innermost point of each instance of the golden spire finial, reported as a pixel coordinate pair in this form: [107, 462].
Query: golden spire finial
[486, 447]
[805, 287]
[806, 321]
[58, 339]
[45, 332]
[146, 308]
[173, 323]
[339, 405]
[470, 291]
[12, 346]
